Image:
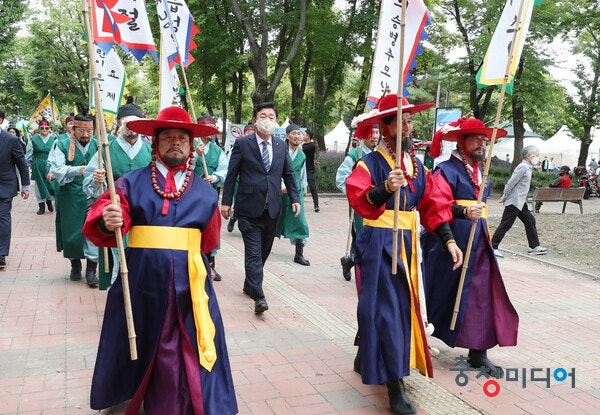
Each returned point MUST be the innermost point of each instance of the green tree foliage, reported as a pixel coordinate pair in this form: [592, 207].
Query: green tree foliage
[11, 14]
[584, 19]
[54, 58]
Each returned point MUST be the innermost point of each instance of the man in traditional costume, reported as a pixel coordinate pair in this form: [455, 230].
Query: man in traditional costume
[127, 152]
[36, 155]
[216, 166]
[391, 333]
[67, 161]
[290, 226]
[172, 219]
[486, 317]
[366, 145]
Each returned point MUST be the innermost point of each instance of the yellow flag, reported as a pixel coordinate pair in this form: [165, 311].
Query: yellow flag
[47, 110]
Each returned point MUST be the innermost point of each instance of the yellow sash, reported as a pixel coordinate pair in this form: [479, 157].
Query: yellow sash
[386, 220]
[466, 202]
[185, 239]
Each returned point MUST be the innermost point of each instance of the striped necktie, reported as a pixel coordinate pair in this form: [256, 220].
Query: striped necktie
[265, 156]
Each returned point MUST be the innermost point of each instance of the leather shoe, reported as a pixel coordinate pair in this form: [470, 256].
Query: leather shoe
[299, 259]
[260, 305]
[216, 275]
[478, 359]
[2, 261]
[347, 265]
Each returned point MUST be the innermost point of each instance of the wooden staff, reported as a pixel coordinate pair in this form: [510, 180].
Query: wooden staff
[100, 120]
[189, 95]
[110, 180]
[351, 224]
[398, 138]
[488, 161]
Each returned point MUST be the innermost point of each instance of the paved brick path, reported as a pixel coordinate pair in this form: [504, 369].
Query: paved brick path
[297, 357]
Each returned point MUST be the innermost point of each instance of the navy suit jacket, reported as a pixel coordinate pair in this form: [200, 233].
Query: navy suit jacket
[255, 183]
[11, 156]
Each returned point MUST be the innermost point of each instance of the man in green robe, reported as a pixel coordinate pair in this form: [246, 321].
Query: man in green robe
[36, 155]
[127, 152]
[67, 161]
[291, 227]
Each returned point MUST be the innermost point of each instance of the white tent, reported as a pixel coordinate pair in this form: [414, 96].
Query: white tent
[507, 146]
[562, 147]
[337, 139]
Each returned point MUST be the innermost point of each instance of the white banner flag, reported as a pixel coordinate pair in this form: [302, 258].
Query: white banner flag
[496, 58]
[177, 29]
[386, 62]
[111, 79]
[124, 22]
[169, 81]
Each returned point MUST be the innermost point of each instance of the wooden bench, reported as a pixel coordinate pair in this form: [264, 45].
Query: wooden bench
[557, 194]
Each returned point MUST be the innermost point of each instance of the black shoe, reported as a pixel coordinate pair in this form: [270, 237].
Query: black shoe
[216, 275]
[42, 209]
[399, 402]
[317, 209]
[75, 270]
[299, 259]
[49, 204]
[260, 305]
[347, 265]
[2, 261]
[478, 359]
[90, 274]
[357, 362]
[231, 224]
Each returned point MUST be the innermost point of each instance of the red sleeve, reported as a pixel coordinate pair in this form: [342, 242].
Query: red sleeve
[357, 185]
[90, 227]
[212, 234]
[435, 207]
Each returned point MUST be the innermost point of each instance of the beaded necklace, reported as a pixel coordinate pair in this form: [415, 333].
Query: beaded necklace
[171, 195]
[463, 158]
[411, 154]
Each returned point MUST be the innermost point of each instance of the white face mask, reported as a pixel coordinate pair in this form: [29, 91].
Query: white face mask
[265, 126]
[535, 161]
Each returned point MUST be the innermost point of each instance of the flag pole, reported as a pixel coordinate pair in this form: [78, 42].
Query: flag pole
[189, 95]
[52, 109]
[398, 138]
[101, 128]
[486, 169]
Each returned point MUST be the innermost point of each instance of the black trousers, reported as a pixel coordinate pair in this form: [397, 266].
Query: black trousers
[510, 214]
[258, 235]
[5, 224]
[312, 185]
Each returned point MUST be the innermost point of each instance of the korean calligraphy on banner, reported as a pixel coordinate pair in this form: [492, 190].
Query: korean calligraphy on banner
[169, 81]
[493, 69]
[124, 22]
[386, 62]
[177, 29]
[112, 80]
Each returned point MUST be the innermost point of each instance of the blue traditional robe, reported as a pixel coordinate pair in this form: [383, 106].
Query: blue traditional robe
[391, 333]
[486, 316]
[167, 375]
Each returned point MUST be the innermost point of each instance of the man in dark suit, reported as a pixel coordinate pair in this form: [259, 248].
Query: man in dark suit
[12, 158]
[260, 162]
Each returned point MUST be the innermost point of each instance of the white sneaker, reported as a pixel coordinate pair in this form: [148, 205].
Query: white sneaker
[498, 254]
[538, 250]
